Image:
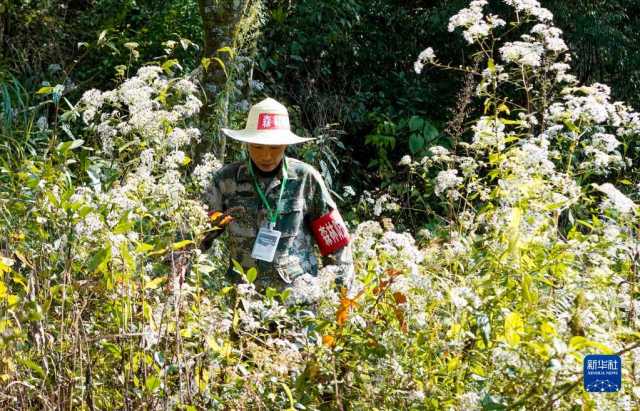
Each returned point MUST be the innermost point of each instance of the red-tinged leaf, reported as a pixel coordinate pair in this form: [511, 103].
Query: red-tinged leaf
[328, 341]
[392, 272]
[399, 297]
[342, 315]
[214, 215]
[226, 220]
[345, 304]
[400, 317]
[381, 287]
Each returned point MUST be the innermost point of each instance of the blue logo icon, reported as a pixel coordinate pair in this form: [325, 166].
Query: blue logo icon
[602, 373]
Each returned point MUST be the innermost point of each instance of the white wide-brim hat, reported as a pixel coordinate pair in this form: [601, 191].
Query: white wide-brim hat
[267, 123]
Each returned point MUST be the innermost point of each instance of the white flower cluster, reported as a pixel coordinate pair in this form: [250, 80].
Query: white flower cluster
[348, 192]
[426, 56]
[447, 181]
[476, 25]
[523, 53]
[462, 297]
[405, 160]
[587, 104]
[148, 115]
[385, 202]
[135, 112]
[531, 8]
[203, 171]
[488, 133]
[551, 37]
[310, 289]
[615, 199]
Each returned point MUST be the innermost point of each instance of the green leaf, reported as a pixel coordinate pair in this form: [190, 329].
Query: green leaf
[126, 256]
[237, 266]
[285, 294]
[572, 127]
[252, 274]
[503, 108]
[20, 280]
[430, 132]
[155, 283]
[45, 90]
[124, 224]
[33, 366]
[205, 61]
[513, 327]
[152, 383]
[578, 343]
[416, 143]
[270, 293]
[69, 145]
[181, 244]
[491, 65]
[111, 348]
[169, 64]
[221, 63]
[226, 49]
[289, 396]
[416, 123]
[526, 289]
[100, 259]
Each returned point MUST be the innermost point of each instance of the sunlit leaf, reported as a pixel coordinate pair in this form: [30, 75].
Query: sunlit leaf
[155, 283]
[513, 328]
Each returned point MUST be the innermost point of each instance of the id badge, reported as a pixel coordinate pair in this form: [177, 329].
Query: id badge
[266, 244]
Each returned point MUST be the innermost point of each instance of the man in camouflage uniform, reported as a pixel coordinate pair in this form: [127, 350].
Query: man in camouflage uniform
[286, 191]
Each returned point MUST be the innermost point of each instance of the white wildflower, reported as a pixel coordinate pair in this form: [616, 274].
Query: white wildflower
[89, 225]
[178, 138]
[446, 180]
[42, 123]
[616, 199]
[405, 160]
[426, 56]
[531, 8]
[488, 133]
[469, 401]
[306, 289]
[522, 53]
[203, 171]
[348, 192]
[148, 73]
[175, 159]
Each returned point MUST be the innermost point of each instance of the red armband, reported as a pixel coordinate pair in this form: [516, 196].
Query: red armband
[330, 232]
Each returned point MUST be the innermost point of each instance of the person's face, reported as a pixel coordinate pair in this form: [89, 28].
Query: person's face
[266, 157]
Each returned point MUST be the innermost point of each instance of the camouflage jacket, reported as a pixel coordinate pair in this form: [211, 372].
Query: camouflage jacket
[304, 199]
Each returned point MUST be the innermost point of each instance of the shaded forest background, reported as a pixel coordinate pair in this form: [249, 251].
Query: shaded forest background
[345, 67]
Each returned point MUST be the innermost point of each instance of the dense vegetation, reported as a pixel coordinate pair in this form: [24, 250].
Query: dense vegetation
[488, 173]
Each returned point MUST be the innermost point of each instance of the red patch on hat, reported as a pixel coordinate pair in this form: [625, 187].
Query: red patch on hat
[273, 121]
[330, 232]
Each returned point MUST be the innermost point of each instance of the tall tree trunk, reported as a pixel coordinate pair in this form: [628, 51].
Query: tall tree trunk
[221, 20]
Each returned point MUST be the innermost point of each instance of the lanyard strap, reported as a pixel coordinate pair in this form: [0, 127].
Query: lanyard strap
[272, 215]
